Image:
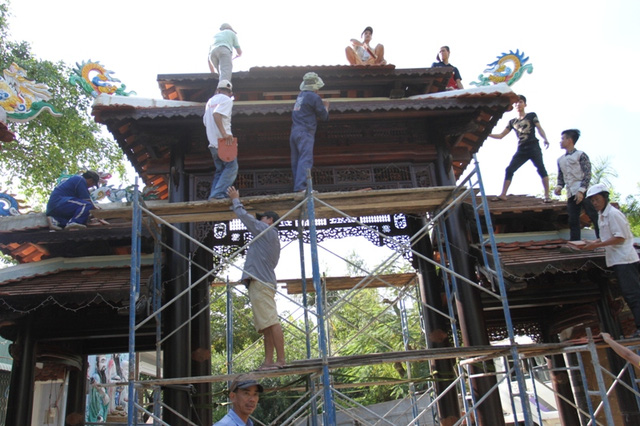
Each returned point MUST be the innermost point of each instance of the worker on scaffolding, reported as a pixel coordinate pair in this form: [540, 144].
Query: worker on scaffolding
[260, 278]
[244, 394]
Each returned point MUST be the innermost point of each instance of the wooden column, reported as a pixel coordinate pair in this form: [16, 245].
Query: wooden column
[20, 400]
[177, 349]
[469, 307]
[436, 326]
[201, 330]
[77, 398]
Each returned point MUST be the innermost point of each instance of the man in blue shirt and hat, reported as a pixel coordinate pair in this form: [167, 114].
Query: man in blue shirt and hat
[244, 394]
[308, 109]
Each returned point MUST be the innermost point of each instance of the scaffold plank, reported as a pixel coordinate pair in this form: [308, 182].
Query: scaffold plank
[315, 365]
[353, 203]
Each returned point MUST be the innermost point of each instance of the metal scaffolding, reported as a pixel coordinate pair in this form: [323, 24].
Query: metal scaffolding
[322, 394]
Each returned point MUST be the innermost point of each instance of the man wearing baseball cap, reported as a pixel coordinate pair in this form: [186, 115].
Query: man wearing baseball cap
[244, 394]
[70, 203]
[620, 254]
[217, 121]
[221, 50]
[260, 277]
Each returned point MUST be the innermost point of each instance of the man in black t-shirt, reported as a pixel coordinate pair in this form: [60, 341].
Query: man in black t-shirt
[455, 81]
[525, 126]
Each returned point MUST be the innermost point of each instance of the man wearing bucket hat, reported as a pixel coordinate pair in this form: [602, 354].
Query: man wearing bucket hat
[70, 203]
[217, 121]
[221, 50]
[260, 278]
[244, 394]
[308, 109]
[620, 254]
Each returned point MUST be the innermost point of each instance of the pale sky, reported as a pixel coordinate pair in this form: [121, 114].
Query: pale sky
[584, 54]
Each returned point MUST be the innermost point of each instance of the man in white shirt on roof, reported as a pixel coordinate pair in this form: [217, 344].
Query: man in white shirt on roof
[620, 254]
[217, 121]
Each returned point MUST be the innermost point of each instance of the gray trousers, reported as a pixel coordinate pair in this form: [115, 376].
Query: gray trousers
[220, 57]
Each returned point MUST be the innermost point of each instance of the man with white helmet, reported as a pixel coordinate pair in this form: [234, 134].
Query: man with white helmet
[620, 254]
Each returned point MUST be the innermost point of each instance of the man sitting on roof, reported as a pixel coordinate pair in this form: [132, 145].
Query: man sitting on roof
[70, 203]
[361, 52]
[455, 81]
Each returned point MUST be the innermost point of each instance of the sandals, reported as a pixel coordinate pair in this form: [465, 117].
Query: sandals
[547, 200]
[270, 367]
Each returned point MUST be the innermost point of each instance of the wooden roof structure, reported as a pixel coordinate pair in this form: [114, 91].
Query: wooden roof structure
[373, 119]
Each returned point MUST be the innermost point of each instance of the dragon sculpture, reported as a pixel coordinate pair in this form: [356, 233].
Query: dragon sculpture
[116, 195]
[9, 205]
[507, 68]
[95, 80]
[23, 99]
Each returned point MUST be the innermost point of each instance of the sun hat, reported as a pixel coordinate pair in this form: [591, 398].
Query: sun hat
[226, 26]
[90, 174]
[311, 82]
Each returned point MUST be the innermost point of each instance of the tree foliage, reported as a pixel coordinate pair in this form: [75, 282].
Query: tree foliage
[631, 208]
[362, 322]
[47, 146]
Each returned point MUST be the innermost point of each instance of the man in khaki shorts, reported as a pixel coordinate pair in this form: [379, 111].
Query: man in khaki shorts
[260, 277]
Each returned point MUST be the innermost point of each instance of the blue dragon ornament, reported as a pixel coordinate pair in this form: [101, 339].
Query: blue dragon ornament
[507, 68]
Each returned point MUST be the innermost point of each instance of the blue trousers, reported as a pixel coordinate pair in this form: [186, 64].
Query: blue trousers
[74, 210]
[301, 142]
[628, 275]
[225, 175]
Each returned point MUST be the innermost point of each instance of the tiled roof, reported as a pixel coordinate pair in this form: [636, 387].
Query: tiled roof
[522, 259]
[27, 238]
[19, 273]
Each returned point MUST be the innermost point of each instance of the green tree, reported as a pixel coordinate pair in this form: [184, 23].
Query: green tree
[47, 146]
[602, 171]
[631, 208]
